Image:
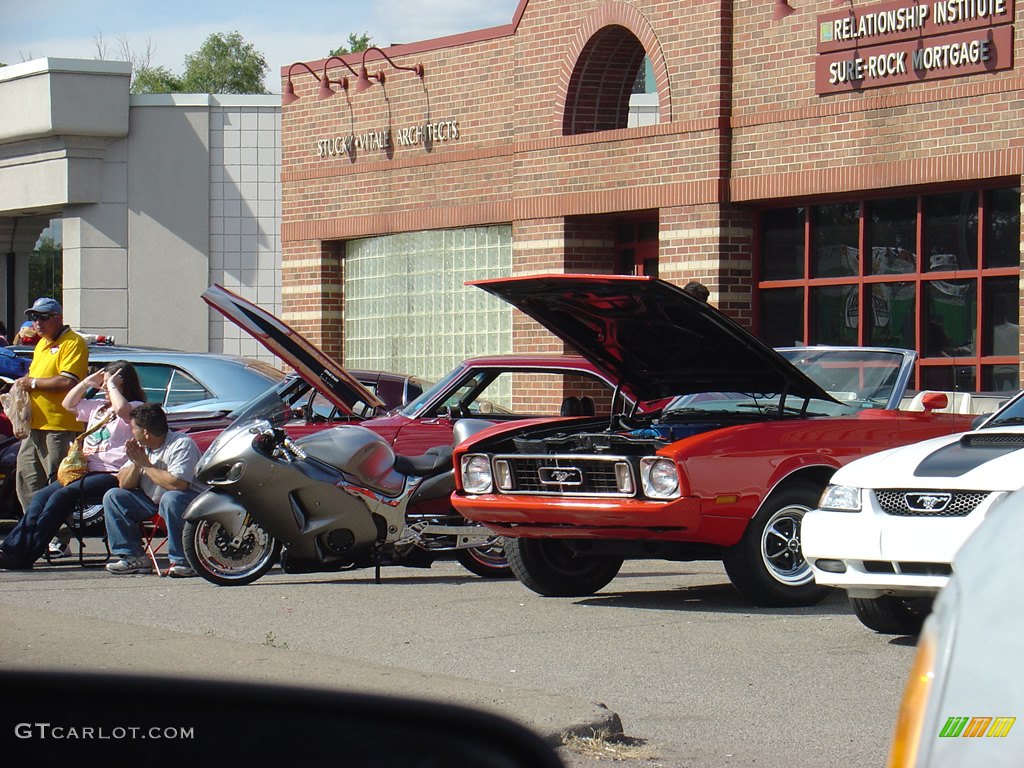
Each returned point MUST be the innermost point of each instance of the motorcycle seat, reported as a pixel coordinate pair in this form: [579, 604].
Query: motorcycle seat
[435, 460]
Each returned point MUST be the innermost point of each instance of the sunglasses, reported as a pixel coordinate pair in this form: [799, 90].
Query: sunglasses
[40, 317]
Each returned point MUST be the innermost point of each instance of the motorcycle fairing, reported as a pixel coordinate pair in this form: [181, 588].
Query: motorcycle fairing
[329, 378]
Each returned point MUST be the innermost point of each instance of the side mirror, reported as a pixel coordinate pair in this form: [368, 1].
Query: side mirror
[934, 401]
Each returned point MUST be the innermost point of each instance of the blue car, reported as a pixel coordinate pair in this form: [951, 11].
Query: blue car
[195, 388]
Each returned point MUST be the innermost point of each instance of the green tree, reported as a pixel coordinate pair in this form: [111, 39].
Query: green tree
[156, 80]
[355, 44]
[225, 63]
[46, 268]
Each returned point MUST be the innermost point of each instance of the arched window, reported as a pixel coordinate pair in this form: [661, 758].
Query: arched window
[608, 67]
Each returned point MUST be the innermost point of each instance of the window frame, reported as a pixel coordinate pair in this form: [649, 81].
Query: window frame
[864, 279]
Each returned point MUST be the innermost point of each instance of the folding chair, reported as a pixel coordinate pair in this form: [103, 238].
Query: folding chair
[153, 528]
[80, 521]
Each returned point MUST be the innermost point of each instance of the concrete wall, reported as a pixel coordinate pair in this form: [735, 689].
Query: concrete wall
[151, 217]
[168, 221]
[245, 211]
[64, 97]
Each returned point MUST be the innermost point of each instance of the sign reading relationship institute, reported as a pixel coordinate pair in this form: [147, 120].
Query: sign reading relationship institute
[911, 42]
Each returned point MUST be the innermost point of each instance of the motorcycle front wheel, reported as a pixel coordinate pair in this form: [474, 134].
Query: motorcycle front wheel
[209, 549]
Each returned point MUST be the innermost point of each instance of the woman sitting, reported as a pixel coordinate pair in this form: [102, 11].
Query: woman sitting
[104, 448]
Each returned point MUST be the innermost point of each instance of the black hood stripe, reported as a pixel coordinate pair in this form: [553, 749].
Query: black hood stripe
[960, 458]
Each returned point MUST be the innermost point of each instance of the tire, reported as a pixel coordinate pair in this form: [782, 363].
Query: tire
[208, 550]
[890, 615]
[89, 519]
[487, 562]
[767, 565]
[551, 568]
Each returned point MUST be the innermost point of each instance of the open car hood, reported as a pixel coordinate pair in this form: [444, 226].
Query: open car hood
[329, 378]
[651, 336]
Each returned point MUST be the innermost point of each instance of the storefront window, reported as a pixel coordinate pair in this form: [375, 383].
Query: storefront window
[964, 326]
[1001, 331]
[835, 315]
[892, 236]
[1002, 227]
[834, 229]
[782, 244]
[782, 317]
[951, 232]
[892, 315]
[949, 318]
[948, 377]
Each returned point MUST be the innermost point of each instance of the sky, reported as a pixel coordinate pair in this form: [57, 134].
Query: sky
[283, 32]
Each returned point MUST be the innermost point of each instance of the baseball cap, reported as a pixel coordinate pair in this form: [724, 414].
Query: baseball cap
[45, 306]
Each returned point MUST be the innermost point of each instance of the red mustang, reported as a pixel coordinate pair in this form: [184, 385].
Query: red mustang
[725, 471]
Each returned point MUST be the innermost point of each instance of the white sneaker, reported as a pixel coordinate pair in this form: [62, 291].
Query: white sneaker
[58, 548]
[181, 571]
[131, 564]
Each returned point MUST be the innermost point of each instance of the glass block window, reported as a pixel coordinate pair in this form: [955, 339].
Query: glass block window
[938, 274]
[406, 306]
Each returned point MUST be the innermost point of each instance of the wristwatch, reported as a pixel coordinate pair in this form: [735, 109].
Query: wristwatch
[33, 383]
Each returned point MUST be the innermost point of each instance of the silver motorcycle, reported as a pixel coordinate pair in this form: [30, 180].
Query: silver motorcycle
[333, 500]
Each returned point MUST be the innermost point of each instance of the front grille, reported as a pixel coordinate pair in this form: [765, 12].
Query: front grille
[915, 503]
[926, 569]
[908, 568]
[570, 475]
[879, 566]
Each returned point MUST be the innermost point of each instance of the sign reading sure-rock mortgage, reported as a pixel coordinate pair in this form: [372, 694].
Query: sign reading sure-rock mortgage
[909, 42]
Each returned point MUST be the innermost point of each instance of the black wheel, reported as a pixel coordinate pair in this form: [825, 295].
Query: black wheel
[767, 566]
[223, 560]
[892, 615]
[553, 568]
[88, 519]
[488, 562]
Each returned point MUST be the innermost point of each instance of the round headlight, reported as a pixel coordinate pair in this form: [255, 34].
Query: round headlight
[660, 478]
[476, 474]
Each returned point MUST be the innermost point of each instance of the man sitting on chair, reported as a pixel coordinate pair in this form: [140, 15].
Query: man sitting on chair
[158, 478]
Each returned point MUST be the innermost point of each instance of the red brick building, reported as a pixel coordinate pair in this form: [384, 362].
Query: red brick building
[843, 174]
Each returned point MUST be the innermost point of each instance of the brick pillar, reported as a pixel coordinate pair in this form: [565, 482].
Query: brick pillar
[590, 245]
[538, 247]
[311, 293]
[714, 245]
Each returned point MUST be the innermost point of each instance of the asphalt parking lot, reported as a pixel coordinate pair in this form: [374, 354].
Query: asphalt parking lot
[696, 676]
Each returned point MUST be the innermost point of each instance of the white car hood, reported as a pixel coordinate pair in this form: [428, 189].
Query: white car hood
[982, 460]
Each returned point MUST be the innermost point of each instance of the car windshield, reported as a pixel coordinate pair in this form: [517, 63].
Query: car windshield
[499, 391]
[855, 378]
[413, 408]
[1011, 415]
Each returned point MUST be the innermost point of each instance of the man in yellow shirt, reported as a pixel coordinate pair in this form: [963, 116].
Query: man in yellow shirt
[60, 360]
